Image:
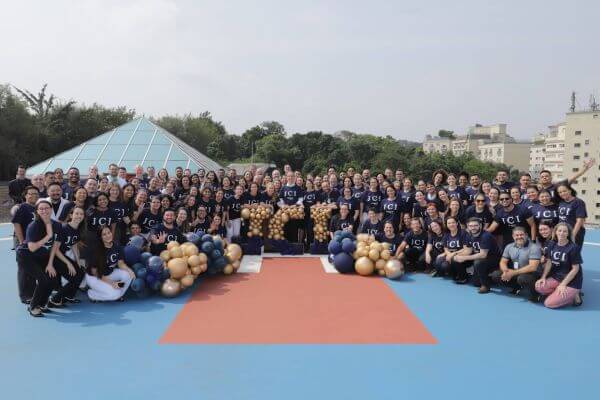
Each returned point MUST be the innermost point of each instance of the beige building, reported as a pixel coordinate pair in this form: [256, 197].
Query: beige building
[582, 141]
[536, 155]
[436, 144]
[513, 154]
[555, 150]
[496, 132]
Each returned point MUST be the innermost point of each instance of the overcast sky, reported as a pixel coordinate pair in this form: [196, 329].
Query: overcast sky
[383, 67]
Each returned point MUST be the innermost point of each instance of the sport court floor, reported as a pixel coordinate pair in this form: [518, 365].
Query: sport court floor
[293, 331]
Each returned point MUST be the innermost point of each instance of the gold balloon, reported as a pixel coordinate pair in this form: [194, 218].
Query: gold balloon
[235, 252]
[203, 267]
[228, 270]
[375, 246]
[236, 264]
[165, 255]
[190, 250]
[170, 288]
[385, 254]
[381, 272]
[374, 255]
[362, 237]
[196, 270]
[364, 266]
[177, 267]
[285, 218]
[386, 245]
[393, 269]
[172, 244]
[245, 213]
[194, 261]
[176, 252]
[203, 258]
[379, 264]
[362, 252]
[187, 281]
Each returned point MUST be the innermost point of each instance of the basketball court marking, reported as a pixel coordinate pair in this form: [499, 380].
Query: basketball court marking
[252, 264]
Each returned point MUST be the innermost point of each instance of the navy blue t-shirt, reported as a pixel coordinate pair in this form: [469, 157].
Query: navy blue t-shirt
[330, 197]
[352, 203]
[337, 223]
[96, 218]
[392, 210]
[407, 199]
[563, 258]
[147, 220]
[419, 211]
[357, 192]
[234, 207]
[393, 241]
[309, 199]
[372, 229]
[416, 240]
[119, 209]
[484, 241]
[24, 215]
[437, 242]
[208, 204]
[371, 200]
[113, 255]
[173, 234]
[228, 193]
[457, 193]
[247, 198]
[471, 193]
[202, 226]
[505, 187]
[541, 212]
[290, 194]
[454, 243]
[569, 211]
[508, 220]
[485, 216]
[36, 230]
[68, 237]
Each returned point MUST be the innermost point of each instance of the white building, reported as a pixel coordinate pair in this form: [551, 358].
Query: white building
[513, 154]
[555, 150]
[537, 155]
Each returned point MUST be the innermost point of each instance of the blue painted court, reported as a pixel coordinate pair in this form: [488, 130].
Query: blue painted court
[493, 346]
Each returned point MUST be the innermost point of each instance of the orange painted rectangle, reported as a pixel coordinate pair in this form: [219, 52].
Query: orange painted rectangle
[292, 300]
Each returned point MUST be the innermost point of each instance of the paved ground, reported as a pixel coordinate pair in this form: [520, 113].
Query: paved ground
[493, 347]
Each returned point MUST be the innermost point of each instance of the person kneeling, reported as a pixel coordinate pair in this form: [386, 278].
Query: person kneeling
[412, 249]
[108, 277]
[524, 256]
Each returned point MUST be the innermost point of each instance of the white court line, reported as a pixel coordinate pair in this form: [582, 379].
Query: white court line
[253, 264]
[592, 243]
[327, 266]
[250, 265]
[8, 238]
[5, 223]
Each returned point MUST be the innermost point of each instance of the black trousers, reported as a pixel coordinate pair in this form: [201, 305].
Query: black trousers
[482, 270]
[35, 268]
[70, 288]
[457, 270]
[415, 259]
[522, 281]
[291, 228]
[25, 283]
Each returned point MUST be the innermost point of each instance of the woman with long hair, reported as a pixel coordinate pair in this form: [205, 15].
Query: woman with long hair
[480, 210]
[65, 258]
[562, 277]
[455, 210]
[453, 242]
[572, 210]
[182, 220]
[435, 245]
[100, 214]
[33, 256]
[116, 204]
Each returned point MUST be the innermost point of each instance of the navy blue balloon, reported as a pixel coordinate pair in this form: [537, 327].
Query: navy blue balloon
[135, 267]
[144, 257]
[150, 280]
[348, 245]
[220, 263]
[194, 238]
[207, 238]
[132, 254]
[156, 285]
[330, 258]
[218, 244]
[216, 254]
[141, 273]
[334, 247]
[138, 284]
[155, 264]
[347, 235]
[343, 262]
[165, 274]
[208, 247]
[137, 241]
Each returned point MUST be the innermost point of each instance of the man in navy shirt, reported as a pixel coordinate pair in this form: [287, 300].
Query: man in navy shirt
[510, 216]
[163, 233]
[69, 187]
[502, 182]
[412, 248]
[480, 248]
[21, 220]
[372, 225]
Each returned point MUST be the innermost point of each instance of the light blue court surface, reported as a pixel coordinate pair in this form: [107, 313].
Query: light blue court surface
[494, 346]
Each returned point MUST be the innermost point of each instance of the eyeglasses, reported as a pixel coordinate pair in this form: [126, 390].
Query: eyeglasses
[504, 198]
[479, 201]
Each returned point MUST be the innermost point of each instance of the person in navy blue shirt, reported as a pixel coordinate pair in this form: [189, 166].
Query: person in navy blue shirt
[216, 227]
[480, 210]
[390, 236]
[149, 217]
[33, 256]
[572, 210]
[453, 241]
[252, 196]
[372, 226]
[435, 245]
[562, 278]
[351, 202]
[108, 277]
[233, 220]
[454, 191]
[308, 200]
[391, 207]
[165, 232]
[328, 195]
[291, 195]
[420, 206]
[202, 222]
[510, 216]
[407, 195]
[64, 257]
[544, 209]
[24, 215]
[412, 249]
[342, 221]
[502, 182]
[480, 248]
[473, 189]
[100, 214]
[371, 199]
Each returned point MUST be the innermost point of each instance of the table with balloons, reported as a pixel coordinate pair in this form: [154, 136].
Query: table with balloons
[177, 267]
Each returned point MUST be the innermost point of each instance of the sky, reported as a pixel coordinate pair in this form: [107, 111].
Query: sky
[396, 68]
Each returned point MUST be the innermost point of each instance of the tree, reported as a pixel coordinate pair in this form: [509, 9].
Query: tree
[446, 134]
[46, 110]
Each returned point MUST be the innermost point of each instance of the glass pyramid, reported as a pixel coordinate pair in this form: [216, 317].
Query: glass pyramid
[139, 141]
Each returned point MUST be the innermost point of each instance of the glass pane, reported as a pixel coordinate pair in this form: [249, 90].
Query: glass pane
[121, 136]
[177, 154]
[103, 166]
[161, 139]
[90, 151]
[158, 152]
[113, 152]
[142, 137]
[171, 165]
[146, 126]
[101, 139]
[37, 169]
[69, 154]
[83, 165]
[130, 165]
[135, 152]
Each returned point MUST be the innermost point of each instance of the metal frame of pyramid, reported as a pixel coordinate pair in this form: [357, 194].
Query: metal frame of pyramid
[139, 141]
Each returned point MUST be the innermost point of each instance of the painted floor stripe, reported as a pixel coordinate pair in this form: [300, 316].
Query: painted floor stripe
[4, 239]
[250, 265]
[592, 243]
[327, 266]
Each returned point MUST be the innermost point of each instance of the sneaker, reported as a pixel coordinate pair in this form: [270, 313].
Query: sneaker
[483, 290]
[434, 273]
[72, 300]
[54, 303]
[461, 281]
[535, 298]
[515, 291]
[35, 312]
[26, 301]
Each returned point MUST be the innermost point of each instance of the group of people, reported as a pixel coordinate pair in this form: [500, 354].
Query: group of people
[69, 232]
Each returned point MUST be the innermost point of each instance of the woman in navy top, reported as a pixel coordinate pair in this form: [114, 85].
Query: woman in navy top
[435, 244]
[391, 207]
[371, 199]
[33, 256]
[65, 257]
[353, 204]
[420, 206]
[100, 214]
[572, 211]
[453, 241]
[544, 209]
[390, 236]
[562, 278]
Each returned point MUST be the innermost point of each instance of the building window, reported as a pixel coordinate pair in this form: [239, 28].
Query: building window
[587, 141]
[586, 154]
[577, 133]
[584, 179]
[597, 205]
[575, 157]
[583, 191]
[577, 145]
[597, 216]
[575, 169]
